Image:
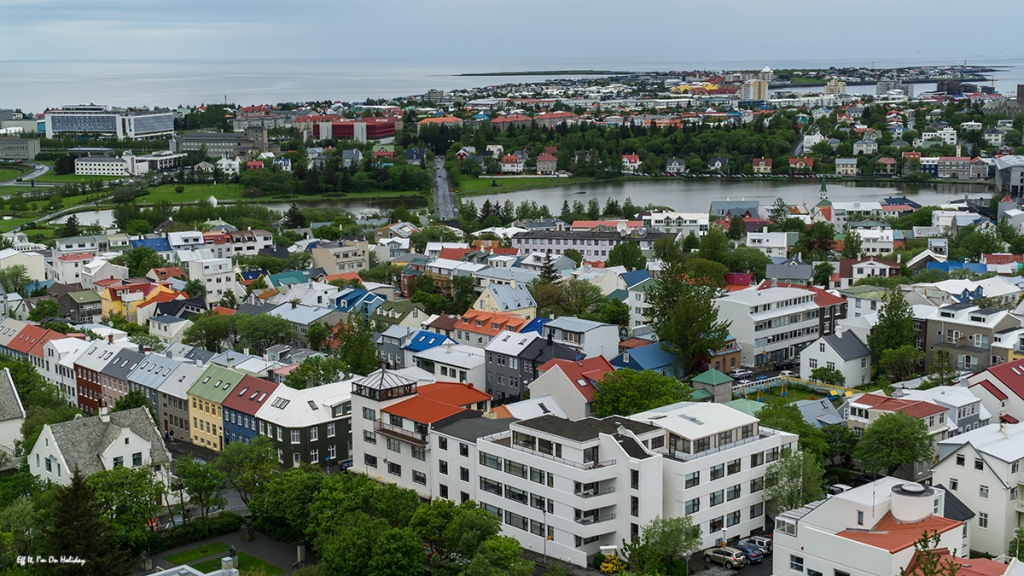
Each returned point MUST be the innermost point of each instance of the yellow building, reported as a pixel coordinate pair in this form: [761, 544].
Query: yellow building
[204, 405]
[126, 298]
[512, 298]
[835, 86]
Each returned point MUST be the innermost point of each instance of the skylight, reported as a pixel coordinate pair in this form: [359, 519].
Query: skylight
[254, 394]
[581, 382]
[312, 405]
[263, 397]
[242, 391]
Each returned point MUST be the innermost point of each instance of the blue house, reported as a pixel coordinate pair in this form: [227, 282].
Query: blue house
[357, 300]
[535, 325]
[160, 245]
[650, 357]
[240, 407]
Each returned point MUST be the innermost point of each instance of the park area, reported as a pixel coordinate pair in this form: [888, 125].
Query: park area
[262, 556]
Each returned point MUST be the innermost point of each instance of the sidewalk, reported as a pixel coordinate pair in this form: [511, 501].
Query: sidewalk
[280, 554]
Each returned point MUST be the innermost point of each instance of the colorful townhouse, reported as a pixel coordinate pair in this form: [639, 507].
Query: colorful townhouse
[205, 399]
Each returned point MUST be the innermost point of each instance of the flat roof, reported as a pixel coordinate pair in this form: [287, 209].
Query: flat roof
[585, 429]
[695, 419]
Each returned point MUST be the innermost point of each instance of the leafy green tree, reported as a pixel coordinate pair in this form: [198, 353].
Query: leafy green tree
[792, 481]
[45, 308]
[547, 269]
[895, 326]
[627, 254]
[736, 228]
[685, 317]
[927, 561]
[204, 485]
[464, 293]
[787, 418]
[248, 468]
[662, 543]
[614, 312]
[70, 228]
[667, 249]
[284, 500]
[317, 371]
[840, 443]
[704, 272]
[852, 244]
[690, 243]
[499, 556]
[579, 297]
[261, 332]
[128, 497]
[626, 392]
[195, 288]
[212, 332]
[901, 363]
[356, 347]
[318, 334]
[575, 255]
[714, 245]
[294, 218]
[229, 300]
[78, 528]
[828, 376]
[942, 371]
[894, 440]
[140, 261]
[398, 552]
[1016, 546]
[345, 546]
[13, 279]
[453, 530]
[134, 399]
[779, 212]
[823, 274]
[749, 260]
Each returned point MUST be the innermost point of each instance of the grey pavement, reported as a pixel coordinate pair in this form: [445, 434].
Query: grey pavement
[444, 196]
[280, 554]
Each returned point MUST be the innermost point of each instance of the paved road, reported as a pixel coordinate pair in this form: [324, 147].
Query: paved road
[37, 171]
[444, 196]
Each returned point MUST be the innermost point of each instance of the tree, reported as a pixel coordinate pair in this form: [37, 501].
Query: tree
[626, 392]
[318, 334]
[248, 467]
[45, 308]
[128, 497]
[787, 418]
[204, 485]
[78, 528]
[13, 279]
[895, 326]
[942, 371]
[397, 552]
[792, 481]
[195, 288]
[685, 317]
[895, 439]
[927, 559]
[852, 244]
[263, 331]
[662, 542]
[736, 228]
[579, 297]
[317, 371]
[294, 217]
[667, 249]
[1016, 546]
[356, 347]
[70, 228]
[779, 212]
[823, 274]
[840, 443]
[901, 363]
[134, 399]
[229, 300]
[140, 261]
[828, 376]
[574, 255]
[714, 245]
[627, 254]
[614, 312]
[211, 332]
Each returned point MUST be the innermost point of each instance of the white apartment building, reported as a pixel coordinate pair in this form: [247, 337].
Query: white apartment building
[684, 223]
[843, 212]
[59, 360]
[454, 363]
[587, 337]
[113, 122]
[217, 274]
[67, 268]
[770, 243]
[947, 135]
[982, 468]
[863, 410]
[876, 241]
[770, 325]
[867, 531]
[454, 456]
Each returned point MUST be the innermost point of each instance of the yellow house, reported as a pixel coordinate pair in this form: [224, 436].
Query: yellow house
[511, 298]
[126, 298]
[204, 405]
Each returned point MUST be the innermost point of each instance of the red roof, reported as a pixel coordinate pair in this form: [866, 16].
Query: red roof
[423, 410]
[821, 297]
[897, 208]
[632, 158]
[582, 373]
[912, 155]
[511, 118]
[915, 408]
[766, 162]
[249, 395]
[1005, 375]
[37, 349]
[886, 160]
[546, 158]
[222, 311]
[343, 276]
[1001, 258]
[27, 338]
[630, 343]
[510, 159]
[995, 392]
[454, 253]
[169, 272]
[1008, 419]
[893, 535]
[441, 120]
[497, 251]
[808, 162]
[164, 297]
[967, 566]
[455, 393]
[74, 257]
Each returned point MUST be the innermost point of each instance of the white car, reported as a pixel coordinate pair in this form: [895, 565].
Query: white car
[740, 373]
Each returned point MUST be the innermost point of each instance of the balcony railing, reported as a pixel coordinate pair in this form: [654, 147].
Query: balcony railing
[761, 433]
[400, 433]
[595, 519]
[505, 439]
[592, 493]
[1020, 506]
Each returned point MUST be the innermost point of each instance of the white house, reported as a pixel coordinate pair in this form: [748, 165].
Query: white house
[102, 442]
[1001, 389]
[684, 223]
[982, 468]
[12, 413]
[60, 355]
[587, 337]
[454, 363]
[571, 383]
[67, 268]
[867, 531]
[216, 274]
[844, 352]
[772, 244]
[770, 325]
[630, 163]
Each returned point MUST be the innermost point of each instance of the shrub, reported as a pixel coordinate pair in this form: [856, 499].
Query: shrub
[196, 530]
[612, 565]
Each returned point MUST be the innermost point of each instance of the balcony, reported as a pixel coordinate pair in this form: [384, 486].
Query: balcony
[1019, 506]
[590, 519]
[592, 493]
[505, 439]
[683, 456]
[399, 433]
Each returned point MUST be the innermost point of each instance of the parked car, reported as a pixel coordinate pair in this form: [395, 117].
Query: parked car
[762, 542]
[740, 373]
[787, 364]
[753, 553]
[865, 478]
[788, 374]
[728, 557]
[838, 489]
[345, 465]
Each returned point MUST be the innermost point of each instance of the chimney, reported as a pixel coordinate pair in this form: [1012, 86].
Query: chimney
[245, 351]
[295, 305]
[231, 361]
[110, 338]
[775, 283]
[899, 258]
[551, 338]
[105, 414]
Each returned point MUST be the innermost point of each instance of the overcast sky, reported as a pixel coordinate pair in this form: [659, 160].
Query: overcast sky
[492, 35]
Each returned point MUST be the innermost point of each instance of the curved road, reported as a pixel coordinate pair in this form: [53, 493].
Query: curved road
[37, 171]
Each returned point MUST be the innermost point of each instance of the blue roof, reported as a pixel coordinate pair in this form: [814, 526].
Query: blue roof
[158, 244]
[167, 319]
[535, 325]
[633, 278]
[253, 274]
[949, 266]
[649, 357]
[422, 340]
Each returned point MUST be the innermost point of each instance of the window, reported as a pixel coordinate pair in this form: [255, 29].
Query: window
[717, 497]
[464, 474]
[118, 461]
[537, 475]
[796, 563]
[369, 414]
[419, 477]
[692, 479]
[314, 456]
[692, 506]
[48, 465]
[314, 434]
[537, 502]
[330, 430]
[137, 459]
[813, 572]
[733, 518]
[296, 460]
[394, 445]
[369, 437]
[983, 520]
[634, 506]
[954, 484]
[419, 452]
[756, 510]
[442, 443]
[634, 479]
[463, 449]
[280, 435]
[771, 455]
[979, 464]
[983, 491]
[515, 520]
[733, 492]
[717, 472]
[513, 493]
[960, 459]
[444, 491]
[756, 460]
[733, 467]
[490, 460]
[757, 484]
[860, 517]
[716, 524]
[488, 485]
[395, 469]
[515, 469]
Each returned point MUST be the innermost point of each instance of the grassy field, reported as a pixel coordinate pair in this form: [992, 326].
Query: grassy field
[11, 172]
[245, 564]
[468, 185]
[192, 193]
[52, 176]
[197, 553]
[7, 225]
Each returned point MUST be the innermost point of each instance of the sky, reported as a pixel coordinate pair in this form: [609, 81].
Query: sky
[489, 36]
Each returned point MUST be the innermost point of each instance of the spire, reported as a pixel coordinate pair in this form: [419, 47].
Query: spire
[823, 201]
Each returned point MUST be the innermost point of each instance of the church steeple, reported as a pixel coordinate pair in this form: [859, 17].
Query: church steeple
[823, 195]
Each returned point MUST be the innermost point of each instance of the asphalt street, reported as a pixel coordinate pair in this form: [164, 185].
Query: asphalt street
[444, 197]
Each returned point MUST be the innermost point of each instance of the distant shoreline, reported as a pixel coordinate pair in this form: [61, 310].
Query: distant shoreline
[552, 73]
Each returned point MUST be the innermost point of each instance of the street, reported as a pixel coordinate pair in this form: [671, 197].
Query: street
[37, 171]
[444, 197]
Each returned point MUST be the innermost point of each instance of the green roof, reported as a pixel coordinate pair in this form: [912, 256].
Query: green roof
[287, 278]
[713, 377]
[85, 297]
[620, 295]
[701, 395]
[749, 407]
[215, 383]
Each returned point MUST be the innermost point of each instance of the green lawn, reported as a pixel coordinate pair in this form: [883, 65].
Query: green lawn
[197, 553]
[245, 564]
[470, 185]
[10, 173]
[7, 225]
[52, 176]
[192, 192]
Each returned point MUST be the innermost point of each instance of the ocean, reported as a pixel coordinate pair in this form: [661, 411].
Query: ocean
[36, 85]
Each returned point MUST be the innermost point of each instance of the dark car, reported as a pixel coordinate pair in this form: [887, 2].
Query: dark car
[345, 465]
[865, 478]
[753, 553]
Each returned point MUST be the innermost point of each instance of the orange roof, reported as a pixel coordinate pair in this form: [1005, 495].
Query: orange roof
[37, 349]
[582, 373]
[222, 311]
[441, 120]
[423, 410]
[27, 338]
[968, 566]
[343, 276]
[1002, 258]
[502, 412]
[454, 253]
[631, 343]
[454, 393]
[169, 272]
[164, 297]
[595, 264]
[74, 257]
[892, 535]
[488, 320]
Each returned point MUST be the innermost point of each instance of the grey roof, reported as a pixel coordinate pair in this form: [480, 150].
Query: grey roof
[181, 379]
[819, 413]
[518, 274]
[509, 298]
[10, 402]
[573, 324]
[790, 270]
[123, 363]
[254, 309]
[154, 369]
[384, 380]
[471, 429]
[80, 441]
[587, 428]
[954, 508]
[631, 447]
[849, 347]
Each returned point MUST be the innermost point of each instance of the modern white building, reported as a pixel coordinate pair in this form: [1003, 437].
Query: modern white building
[771, 244]
[982, 468]
[587, 337]
[843, 351]
[867, 531]
[770, 325]
[216, 274]
[684, 223]
[454, 363]
[108, 121]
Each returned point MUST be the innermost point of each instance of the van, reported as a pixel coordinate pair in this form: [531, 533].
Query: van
[838, 489]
